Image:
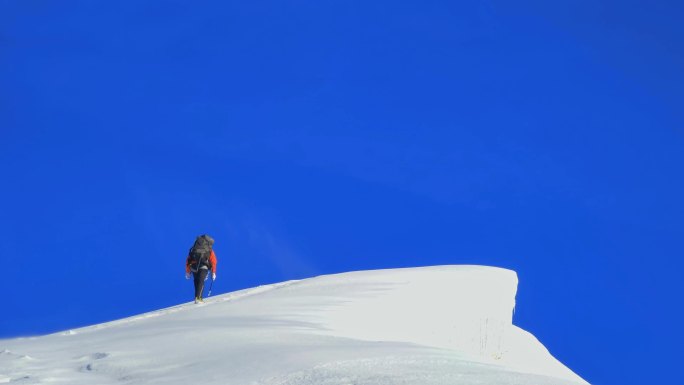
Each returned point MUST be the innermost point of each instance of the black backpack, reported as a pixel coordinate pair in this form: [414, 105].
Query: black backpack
[200, 252]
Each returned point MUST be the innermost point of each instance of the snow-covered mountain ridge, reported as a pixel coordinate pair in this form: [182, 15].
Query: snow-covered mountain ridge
[429, 325]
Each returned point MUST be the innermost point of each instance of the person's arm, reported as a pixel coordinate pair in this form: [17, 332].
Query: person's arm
[212, 259]
[187, 265]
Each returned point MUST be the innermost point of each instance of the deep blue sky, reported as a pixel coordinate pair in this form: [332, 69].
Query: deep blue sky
[313, 137]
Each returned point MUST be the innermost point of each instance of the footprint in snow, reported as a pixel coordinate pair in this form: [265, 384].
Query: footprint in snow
[19, 380]
[93, 356]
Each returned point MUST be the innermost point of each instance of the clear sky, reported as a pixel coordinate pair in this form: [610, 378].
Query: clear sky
[314, 137]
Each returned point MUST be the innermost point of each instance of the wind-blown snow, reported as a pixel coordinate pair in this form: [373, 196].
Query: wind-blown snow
[433, 325]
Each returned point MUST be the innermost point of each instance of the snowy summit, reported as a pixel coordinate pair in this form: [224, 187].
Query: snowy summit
[418, 326]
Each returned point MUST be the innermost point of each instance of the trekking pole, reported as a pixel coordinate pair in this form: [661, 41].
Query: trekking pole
[210, 286]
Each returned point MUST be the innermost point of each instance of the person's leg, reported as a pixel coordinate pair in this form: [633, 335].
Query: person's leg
[199, 282]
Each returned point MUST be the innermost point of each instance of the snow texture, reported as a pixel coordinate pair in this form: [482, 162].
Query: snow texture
[431, 325]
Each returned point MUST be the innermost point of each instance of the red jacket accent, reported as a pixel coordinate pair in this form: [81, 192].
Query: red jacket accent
[212, 260]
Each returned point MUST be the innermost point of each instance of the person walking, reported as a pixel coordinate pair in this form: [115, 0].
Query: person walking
[201, 259]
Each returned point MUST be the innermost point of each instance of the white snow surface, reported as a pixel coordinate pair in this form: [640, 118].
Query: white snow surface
[422, 326]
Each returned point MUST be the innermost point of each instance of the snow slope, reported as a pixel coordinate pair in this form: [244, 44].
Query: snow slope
[431, 325]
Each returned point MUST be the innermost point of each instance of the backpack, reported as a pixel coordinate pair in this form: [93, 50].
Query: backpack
[200, 252]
